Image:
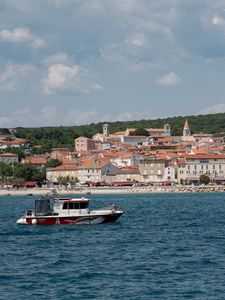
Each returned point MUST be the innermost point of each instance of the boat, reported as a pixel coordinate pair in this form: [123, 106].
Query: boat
[66, 211]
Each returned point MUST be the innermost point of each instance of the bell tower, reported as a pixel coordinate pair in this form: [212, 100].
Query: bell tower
[105, 130]
[186, 130]
[167, 130]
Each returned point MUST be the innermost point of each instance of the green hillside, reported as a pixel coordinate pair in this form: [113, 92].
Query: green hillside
[63, 136]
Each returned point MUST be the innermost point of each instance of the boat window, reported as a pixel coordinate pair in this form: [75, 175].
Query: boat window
[71, 205]
[65, 205]
[83, 205]
[75, 205]
[42, 207]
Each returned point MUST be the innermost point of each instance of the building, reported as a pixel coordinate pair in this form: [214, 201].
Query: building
[52, 174]
[187, 137]
[128, 174]
[133, 140]
[96, 170]
[165, 131]
[126, 160]
[9, 158]
[192, 166]
[38, 161]
[157, 170]
[16, 143]
[85, 144]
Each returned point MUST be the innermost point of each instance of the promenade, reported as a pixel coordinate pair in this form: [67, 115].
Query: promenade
[114, 190]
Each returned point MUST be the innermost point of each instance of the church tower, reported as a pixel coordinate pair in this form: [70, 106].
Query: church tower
[167, 130]
[105, 130]
[186, 130]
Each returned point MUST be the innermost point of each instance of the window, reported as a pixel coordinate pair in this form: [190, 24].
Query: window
[75, 205]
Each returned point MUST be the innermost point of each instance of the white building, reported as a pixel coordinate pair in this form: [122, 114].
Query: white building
[193, 166]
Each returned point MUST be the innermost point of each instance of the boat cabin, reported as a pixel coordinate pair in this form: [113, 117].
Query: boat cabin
[59, 206]
[43, 207]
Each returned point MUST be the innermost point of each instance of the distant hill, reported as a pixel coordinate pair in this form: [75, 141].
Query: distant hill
[62, 136]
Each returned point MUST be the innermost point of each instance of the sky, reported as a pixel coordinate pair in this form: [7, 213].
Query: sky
[73, 62]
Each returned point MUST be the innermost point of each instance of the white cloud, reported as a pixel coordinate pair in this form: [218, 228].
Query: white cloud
[26, 117]
[14, 76]
[68, 79]
[79, 117]
[57, 58]
[217, 108]
[137, 39]
[18, 117]
[48, 113]
[170, 79]
[20, 35]
[218, 21]
[129, 116]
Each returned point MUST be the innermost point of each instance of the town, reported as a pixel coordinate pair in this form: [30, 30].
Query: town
[117, 159]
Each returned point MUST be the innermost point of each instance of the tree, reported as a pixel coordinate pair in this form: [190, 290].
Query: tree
[17, 151]
[26, 171]
[6, 170]
[204, 179]
[63, 180]
[140, 131]
[53, 163]
[73, 181]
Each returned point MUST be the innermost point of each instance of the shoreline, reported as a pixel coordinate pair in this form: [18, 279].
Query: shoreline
[113, 190]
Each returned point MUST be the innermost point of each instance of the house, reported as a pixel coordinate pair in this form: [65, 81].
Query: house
[96, 170]
[85, 144]
[126, 160]
[52, 174]
[134, 140]
[126, 174]
[16, 143]
[59, 153]
[37, 161]
[157, 170]
[9, 158]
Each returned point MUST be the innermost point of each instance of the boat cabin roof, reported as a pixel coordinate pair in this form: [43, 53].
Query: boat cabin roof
[68, 200]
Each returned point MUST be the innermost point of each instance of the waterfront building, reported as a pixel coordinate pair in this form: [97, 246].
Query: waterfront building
[128, 174]
[52, 174]
[157, 170]
[96, 170]
[192, 166]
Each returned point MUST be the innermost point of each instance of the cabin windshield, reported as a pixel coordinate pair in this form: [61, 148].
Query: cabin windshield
[75, 205]
[42, 207]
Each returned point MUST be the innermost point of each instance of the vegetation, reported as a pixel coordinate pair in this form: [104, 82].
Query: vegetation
[21, 172]
[204, 179]
[140, 131]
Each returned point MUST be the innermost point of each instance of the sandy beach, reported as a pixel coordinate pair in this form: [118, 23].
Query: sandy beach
[112, 190]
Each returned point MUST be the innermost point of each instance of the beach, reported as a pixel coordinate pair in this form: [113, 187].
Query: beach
[113, 190]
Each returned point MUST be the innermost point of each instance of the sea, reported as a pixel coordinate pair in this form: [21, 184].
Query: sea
[165, 246]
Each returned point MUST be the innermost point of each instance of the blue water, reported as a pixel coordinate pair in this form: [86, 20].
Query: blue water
[168, 246]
